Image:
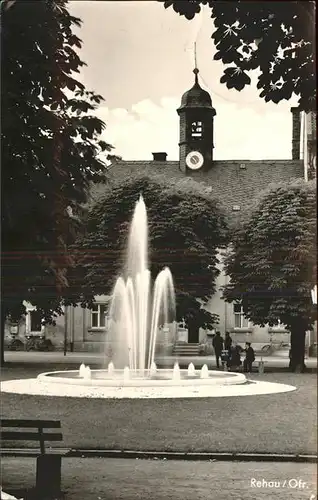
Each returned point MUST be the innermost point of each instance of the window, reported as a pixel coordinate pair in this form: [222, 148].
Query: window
[239, 320]
[99, 316]
[196, 130]
[36, 321]
[33, 321]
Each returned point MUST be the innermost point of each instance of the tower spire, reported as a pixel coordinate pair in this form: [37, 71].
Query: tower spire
[195, 71]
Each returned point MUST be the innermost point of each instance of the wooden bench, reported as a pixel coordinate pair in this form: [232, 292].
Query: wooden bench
[48, 466]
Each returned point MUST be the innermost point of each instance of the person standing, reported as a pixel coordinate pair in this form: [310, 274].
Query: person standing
[218, 346]
[228, 348]
[235, 360]
[228, 341]
[249, 358]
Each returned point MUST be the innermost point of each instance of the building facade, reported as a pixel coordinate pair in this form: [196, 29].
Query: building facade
[234, 183]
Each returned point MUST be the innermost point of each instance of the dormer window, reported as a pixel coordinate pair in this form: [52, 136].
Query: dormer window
[196, 130]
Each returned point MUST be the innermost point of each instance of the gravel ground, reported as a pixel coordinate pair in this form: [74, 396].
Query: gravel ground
[277, 423]
[107, 479]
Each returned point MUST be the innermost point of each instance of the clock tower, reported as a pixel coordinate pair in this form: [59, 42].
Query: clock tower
[196, 129]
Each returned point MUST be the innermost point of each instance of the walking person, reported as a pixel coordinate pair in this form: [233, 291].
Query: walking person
[249, 357]
[218, 346]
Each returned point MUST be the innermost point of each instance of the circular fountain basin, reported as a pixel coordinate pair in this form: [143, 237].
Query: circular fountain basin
[164, 378]
[101, 384]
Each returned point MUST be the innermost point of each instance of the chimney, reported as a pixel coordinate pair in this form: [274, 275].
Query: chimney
[296, 133]
[159, 156]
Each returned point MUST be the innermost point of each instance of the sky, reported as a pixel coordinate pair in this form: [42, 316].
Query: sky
[140, 58]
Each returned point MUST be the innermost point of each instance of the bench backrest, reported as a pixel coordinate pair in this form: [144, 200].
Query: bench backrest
[19, 434]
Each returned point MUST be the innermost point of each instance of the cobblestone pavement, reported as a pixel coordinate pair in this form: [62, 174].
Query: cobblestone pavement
[115, 479]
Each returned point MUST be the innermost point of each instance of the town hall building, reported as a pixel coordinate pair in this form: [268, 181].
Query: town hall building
[233, 183]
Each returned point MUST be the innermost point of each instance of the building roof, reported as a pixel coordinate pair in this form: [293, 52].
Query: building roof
[196, 97]
[233, 183]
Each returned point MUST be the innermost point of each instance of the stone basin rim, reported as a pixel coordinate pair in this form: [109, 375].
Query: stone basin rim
[215, 379]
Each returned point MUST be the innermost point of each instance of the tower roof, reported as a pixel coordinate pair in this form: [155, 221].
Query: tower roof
[196, 97]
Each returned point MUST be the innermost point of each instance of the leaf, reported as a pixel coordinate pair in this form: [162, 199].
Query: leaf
[217, 56]
[104, 146]
[246, 49]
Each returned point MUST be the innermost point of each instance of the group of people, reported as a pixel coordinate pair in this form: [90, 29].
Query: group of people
[230, 353]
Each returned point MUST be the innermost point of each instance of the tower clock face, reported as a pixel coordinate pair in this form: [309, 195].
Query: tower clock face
[194, 160]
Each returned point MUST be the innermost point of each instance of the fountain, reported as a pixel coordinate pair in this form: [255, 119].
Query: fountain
[153, 369]
[111, 369]
[191, 370]
[126, 373]
[204, 371]
[137, 312]
[85, 372]
[82, 370]
[176, 372]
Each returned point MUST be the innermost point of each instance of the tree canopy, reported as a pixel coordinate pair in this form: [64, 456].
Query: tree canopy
[51, 151]
[276, 38]
[186, 227]
[272, 263]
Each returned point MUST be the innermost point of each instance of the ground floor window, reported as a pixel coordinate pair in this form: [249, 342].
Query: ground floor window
[239, 319]
[34, 323]
[99, 317]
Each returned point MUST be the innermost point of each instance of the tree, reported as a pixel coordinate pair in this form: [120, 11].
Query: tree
[185, 226]
[276, 38]
[51, 151]
[272, 263]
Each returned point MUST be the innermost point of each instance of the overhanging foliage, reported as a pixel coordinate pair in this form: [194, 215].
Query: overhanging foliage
[276, 38]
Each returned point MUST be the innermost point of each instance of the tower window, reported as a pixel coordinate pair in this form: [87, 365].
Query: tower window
[196, 130]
